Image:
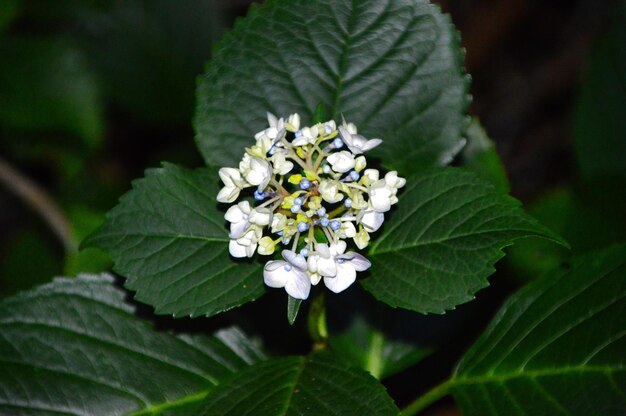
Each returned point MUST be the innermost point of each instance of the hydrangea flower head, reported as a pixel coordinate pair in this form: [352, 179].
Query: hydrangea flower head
[312, 197]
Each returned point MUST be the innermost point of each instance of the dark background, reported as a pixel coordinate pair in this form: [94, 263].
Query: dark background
[94, 92]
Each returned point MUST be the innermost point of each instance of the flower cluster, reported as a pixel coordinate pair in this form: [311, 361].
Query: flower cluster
[313, 192]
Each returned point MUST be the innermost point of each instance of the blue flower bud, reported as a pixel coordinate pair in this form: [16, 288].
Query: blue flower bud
[335, 225]
[347, 203]
[338, 143]
[298, 201]
[321, 212]
[354, 175]
[324, 221]
[304, 252]
[303, 226]
[259, 196]
[305, 183]
[295, 208]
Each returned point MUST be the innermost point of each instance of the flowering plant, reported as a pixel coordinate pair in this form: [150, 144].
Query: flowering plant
[313, 190]
[309, 200]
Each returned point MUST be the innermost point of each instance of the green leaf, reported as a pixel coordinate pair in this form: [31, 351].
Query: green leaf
[600, 117]
[556, 347]
[316, 385]
[170, 240]
[46, 85]
[293, 306]
[480, 156]
[392, 67]
[438, 248]
[75, 347]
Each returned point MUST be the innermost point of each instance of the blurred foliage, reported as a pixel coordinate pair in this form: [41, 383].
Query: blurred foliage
[480, 156]
[590, 213]
[148, 54]
[600, 119]
[84, 87]
[51, 91]
[8, 11]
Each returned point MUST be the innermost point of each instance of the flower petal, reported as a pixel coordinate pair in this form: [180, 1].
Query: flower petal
[274, 273]
[346, 275]
[299, 284]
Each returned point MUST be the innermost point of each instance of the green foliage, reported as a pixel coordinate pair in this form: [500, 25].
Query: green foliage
[556, 347]
[18, 270]
[51, 90]
[392, 68]
[600, 120]
[148, 54]
[169, 239]
[480, 156]
[74, 347]
[437, 249]
[369, 347]
[315, 385]
[8, 12]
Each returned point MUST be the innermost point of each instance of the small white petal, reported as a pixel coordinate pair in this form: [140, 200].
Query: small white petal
[315, 278]
[342, 161]
[327, 267]
[299, 284]
[274, 273]
[359, 262]
[294, 259]
[228, 194]
[260, 216]
[236, 249]
[371, 220]
[346, 275]
[231, 177]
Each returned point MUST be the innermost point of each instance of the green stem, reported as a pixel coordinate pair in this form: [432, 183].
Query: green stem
[317, 322]
[427, 399]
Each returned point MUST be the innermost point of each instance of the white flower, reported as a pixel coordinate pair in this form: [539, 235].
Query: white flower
[241, 216]
[256, 171]
[382, 196]
[348, 126]
[338, 269]
[372, 175]
[322, 261]
[238, 216]
[361, 239]
[371, 220]
[342, 161]
[266, 246]
[393, 180]
[357, 143]
[347, 230]
[347, 266]
[293, 122]
[279, 222]
[360, 163]
[329, 190]
[307, 135]
[233, 184]
[246, 244]
[290, 274]
[281, 164]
